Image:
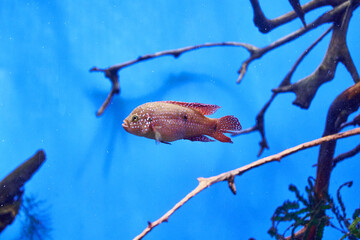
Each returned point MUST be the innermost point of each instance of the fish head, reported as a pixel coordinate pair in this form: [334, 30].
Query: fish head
[138, 122]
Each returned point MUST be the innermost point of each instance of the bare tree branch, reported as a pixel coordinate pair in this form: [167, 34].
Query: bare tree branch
[255, 52]
[259, 125]
[266, 25]
[113, 72]
[327, 17]
[306, 88]
[230, 175]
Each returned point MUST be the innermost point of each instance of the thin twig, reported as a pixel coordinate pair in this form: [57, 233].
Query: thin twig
[354, 122]
[176, 53]
[229, 176]
[114, 90]
[345, 155]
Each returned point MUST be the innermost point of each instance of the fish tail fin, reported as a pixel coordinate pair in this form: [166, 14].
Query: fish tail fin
[227, 124]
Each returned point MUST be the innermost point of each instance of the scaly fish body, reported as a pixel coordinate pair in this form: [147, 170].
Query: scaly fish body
[169, 121]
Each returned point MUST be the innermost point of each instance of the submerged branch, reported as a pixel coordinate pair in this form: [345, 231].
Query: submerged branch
[13, 182]
[112, 72]
[12, 188]
[229, 176]
[265, 25]
[260, 125]
[327, 17]
[306, 88]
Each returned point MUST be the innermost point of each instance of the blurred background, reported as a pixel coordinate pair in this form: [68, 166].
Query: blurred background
[100, 182]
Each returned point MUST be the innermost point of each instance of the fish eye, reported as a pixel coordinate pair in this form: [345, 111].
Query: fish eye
[135, 118]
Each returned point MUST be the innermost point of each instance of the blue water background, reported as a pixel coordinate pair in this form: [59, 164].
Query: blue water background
[101, 182]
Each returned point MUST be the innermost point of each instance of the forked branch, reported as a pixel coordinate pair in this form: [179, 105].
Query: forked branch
[306, 88]
[354, 122]
[259, 124]
[230, 175]
[327, 17]
[113, 72]
[265, 25]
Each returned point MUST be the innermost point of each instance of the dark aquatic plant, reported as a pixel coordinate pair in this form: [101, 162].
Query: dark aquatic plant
[303, 211]
[35, 219]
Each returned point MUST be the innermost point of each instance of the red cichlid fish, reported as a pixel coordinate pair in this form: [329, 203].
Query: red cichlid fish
[168, 121]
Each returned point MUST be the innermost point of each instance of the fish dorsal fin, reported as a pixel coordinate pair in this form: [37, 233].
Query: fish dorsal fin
[206, 109]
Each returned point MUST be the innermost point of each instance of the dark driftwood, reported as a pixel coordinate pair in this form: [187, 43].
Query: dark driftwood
[12, 188]
[345, 104]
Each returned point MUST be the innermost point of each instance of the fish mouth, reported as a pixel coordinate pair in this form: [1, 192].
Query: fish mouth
[125, 124]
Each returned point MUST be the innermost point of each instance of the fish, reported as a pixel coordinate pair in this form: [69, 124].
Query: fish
[168, 121]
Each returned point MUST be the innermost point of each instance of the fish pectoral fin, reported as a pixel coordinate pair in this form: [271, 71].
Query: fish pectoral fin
[158, 138]
[201, 138]
[157, 135]
[157, 141]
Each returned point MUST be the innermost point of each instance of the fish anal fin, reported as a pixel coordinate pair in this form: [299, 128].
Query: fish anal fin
[201, 138]
[221, 137]
[205, 109]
